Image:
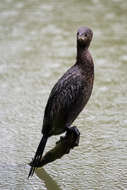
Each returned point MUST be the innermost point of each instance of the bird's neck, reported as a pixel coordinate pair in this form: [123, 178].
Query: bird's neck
[84, 61]
[82, 53]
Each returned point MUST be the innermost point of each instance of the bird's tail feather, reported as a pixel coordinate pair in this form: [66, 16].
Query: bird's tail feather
[38, 155]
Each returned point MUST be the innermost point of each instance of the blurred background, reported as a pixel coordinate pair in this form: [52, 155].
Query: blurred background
[37, 45]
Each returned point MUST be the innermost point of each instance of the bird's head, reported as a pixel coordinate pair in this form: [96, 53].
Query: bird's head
[84, 36]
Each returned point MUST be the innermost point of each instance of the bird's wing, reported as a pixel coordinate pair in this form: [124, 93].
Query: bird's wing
[63, 96]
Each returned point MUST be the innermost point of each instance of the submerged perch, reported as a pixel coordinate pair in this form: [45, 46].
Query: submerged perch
[63, 146]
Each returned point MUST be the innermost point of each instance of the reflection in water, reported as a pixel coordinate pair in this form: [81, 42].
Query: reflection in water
[49, 182]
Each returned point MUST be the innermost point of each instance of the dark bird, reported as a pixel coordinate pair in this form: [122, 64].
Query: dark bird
[69, 96]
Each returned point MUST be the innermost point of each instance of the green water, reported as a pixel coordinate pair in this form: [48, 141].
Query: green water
[37, 45]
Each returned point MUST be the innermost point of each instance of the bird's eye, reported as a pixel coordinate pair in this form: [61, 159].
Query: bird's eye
[85, 35]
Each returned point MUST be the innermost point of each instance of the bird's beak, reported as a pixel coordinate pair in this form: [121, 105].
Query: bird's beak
[81, 37]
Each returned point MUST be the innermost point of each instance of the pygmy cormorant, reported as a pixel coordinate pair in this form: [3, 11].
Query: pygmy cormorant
[69, 96]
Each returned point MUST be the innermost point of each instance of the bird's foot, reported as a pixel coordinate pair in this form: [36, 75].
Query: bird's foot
[75, 134]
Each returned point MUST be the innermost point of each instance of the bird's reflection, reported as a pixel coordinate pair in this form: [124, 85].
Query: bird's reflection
[50, 183]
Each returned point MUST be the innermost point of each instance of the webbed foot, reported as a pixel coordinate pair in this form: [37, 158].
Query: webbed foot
[74, 132]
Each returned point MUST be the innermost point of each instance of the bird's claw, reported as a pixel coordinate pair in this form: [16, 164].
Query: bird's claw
[75, 134]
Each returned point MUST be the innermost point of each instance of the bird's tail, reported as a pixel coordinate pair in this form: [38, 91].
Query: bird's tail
[38, 155]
